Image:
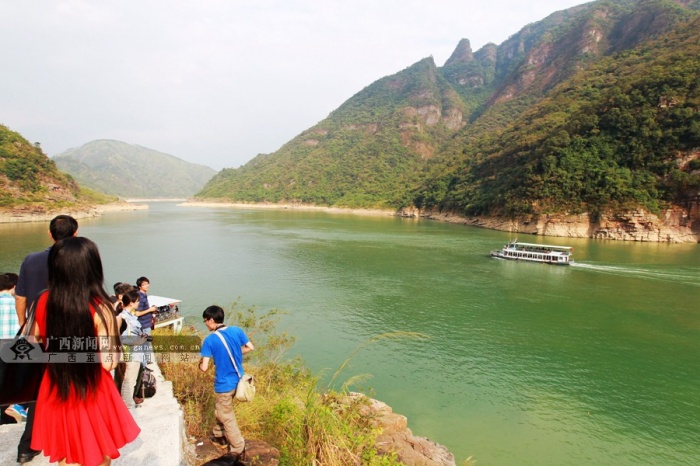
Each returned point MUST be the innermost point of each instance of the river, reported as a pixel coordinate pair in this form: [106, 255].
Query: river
[521, 364]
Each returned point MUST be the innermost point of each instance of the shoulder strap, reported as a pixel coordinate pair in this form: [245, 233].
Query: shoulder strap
[228, 350]
[26, 328]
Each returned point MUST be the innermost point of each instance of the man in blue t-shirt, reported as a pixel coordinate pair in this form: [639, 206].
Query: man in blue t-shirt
[226, 431]
[144, 310]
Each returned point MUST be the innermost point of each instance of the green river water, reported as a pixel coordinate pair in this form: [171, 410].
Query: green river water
[524, 364]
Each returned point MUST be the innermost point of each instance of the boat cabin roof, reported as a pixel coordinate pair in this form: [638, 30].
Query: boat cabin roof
[159, 301]
[542, 246]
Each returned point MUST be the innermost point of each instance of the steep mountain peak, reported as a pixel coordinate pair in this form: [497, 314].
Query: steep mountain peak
[462, 54]
[488, 52]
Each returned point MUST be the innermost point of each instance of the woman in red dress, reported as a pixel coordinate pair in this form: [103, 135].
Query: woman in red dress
[80, 416]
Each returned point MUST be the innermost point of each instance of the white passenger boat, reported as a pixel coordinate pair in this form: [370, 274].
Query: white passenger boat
[168, 313]
[548, 254]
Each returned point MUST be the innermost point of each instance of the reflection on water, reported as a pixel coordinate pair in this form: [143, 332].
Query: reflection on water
[527, 364]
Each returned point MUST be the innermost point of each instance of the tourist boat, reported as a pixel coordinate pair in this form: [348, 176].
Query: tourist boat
[167, 314]
[545, 253]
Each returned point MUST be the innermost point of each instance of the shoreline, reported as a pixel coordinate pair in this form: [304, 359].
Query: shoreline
[136, 200]
[671, 226]
[301, 207]
[27, 215]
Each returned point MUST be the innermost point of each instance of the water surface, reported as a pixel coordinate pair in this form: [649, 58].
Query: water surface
[527, 364]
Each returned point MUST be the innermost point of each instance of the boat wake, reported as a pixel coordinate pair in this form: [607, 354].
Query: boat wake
[683, 276]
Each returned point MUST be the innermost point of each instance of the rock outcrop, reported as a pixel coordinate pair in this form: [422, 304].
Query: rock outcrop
[397, 438]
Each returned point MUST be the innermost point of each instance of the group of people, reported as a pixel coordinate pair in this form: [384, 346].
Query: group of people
[79, 416]
[134, 319]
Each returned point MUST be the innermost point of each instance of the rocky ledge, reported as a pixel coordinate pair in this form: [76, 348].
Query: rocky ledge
[671, 226]
[397, 437]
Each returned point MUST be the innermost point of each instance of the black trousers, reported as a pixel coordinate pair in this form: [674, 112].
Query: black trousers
[26, 439]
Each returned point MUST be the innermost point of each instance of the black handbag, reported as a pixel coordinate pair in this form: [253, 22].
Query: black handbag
[22, 366]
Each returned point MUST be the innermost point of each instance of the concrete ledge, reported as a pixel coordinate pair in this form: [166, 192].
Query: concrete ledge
[162, 442]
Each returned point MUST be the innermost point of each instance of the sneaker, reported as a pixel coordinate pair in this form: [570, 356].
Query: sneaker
[238, 459]
[219, 441]
[27, 456]
[18, 412]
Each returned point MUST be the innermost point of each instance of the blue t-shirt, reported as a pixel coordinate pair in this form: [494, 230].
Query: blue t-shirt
[145, 319]
[226, 377]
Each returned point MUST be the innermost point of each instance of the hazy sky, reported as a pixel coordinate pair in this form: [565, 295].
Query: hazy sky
[218, 81]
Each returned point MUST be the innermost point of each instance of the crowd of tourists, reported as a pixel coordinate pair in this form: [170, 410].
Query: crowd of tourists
[83, 412]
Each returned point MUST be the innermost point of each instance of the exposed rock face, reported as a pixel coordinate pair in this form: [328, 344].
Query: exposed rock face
[454, 119]
[672, 226]
[397, 437]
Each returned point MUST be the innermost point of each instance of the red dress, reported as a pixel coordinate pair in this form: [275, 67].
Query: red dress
[81, 431]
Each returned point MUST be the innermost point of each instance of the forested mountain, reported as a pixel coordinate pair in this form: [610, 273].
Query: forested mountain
[30, 180]
[621, 132]
[132, 171]
[595, 107]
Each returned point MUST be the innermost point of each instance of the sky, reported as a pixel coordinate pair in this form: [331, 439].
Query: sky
[217, 82]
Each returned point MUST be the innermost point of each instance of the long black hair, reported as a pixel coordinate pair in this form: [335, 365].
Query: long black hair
[76, 282]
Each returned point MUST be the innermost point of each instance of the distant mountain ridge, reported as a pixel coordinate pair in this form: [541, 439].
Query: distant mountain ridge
[132, 171]
[537, 125]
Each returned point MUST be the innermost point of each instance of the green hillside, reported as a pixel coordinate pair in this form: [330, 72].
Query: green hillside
[131, 171]
[30, 180]
[364, 154]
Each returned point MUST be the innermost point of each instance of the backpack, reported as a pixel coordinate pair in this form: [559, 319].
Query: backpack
[145, 383]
